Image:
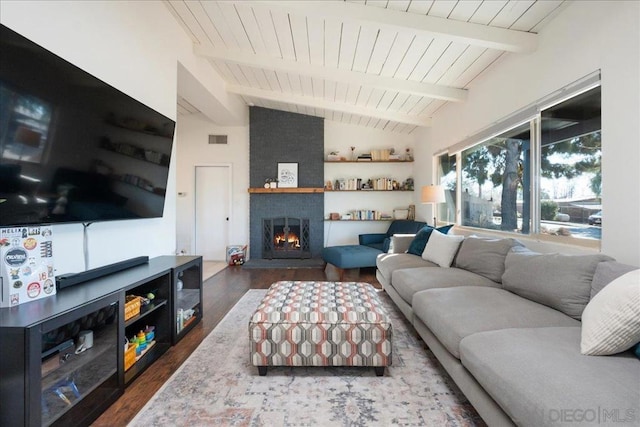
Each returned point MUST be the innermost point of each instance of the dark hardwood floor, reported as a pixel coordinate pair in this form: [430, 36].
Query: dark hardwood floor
[220, 294]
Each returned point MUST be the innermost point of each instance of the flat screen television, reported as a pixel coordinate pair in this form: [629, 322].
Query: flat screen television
[72, 147]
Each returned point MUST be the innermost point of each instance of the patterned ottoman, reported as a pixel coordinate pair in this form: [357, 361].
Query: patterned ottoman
[320, 324]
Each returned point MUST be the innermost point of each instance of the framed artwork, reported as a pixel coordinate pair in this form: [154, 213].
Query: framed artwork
[288, 175]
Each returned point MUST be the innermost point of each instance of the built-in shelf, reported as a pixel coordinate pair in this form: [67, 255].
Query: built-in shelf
[358, 220]
[286, 190]
[368, 161]
[368, 191]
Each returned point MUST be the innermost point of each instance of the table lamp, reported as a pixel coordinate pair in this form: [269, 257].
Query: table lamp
[433, 194]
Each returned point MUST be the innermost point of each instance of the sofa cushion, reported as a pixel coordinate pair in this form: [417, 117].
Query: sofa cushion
[454, 313]
[539, 377]
[409, 281]
[388, 263]
[441, 248]
[399, 243]
[611, 320]
[485, 256]
[559, 281]
[420, 240]
[606, 272]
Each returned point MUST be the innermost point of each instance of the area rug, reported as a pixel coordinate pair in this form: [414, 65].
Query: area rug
[217, 386]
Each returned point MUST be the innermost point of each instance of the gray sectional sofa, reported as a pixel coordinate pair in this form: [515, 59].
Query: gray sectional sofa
[505, 323]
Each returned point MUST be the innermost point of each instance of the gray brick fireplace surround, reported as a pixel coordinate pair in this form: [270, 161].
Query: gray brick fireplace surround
[282, 137]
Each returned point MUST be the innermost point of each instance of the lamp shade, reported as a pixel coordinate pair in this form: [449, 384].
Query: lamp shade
[433, 194]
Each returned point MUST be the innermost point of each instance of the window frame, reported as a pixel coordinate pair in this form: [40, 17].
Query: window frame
[533, 115]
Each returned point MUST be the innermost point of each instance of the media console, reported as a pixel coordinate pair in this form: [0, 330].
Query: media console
[52, 374]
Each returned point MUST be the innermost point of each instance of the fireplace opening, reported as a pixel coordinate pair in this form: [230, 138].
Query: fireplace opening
[286, 237]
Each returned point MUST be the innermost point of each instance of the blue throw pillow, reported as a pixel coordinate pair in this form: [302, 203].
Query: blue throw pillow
[637, 349]
[420, 240]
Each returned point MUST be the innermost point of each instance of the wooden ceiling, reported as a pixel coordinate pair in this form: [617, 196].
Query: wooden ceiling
[386, 64]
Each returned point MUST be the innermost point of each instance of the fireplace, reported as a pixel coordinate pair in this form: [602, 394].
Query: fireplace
[285, 237]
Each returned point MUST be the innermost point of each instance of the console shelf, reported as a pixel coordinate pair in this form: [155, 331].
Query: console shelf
[145, 360]
[145, 310]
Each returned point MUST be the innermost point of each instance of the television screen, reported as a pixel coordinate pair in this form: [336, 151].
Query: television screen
[72, 147]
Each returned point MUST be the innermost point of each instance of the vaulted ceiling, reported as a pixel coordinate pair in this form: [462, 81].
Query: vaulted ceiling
[386, 64]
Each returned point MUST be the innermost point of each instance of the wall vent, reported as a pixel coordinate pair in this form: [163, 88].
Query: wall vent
[217, 139]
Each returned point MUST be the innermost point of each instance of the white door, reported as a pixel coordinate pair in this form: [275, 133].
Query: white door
[212, 211]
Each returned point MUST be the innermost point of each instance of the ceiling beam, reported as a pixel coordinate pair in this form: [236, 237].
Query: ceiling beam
[214, 102]
[445, 93]
[455, 31]
[290, 98]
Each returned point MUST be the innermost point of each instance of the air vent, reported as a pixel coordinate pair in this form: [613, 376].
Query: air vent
[217, 139]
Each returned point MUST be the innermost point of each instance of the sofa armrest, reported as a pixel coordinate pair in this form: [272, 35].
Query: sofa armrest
[371, 238]
[400, 243]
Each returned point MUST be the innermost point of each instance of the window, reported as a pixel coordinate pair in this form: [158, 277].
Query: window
[570, 167]
[538, 172]
[493, 174]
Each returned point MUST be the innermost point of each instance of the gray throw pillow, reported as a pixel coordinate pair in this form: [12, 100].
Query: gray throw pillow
[559, 281]
[485, 256]
[606, 273]
[400, 243]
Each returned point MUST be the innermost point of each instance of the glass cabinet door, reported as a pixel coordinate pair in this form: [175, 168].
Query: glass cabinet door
[79, 364]
[188, 298]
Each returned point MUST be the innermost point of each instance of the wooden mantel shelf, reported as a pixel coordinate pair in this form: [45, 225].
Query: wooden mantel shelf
[286, 190]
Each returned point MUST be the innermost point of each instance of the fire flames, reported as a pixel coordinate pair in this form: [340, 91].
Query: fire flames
[291, 240]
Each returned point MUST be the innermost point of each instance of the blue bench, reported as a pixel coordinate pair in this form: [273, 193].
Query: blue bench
[350, 256]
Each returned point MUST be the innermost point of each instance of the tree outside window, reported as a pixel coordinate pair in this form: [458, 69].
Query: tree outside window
[493, 174]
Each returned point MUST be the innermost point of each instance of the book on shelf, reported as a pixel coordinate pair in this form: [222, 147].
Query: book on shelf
[383, 184]
[365, 215]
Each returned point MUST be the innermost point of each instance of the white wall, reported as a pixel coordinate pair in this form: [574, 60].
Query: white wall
[585, 37]
[340, 137]
[134, 46]
[194, 150]
[192, 135]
